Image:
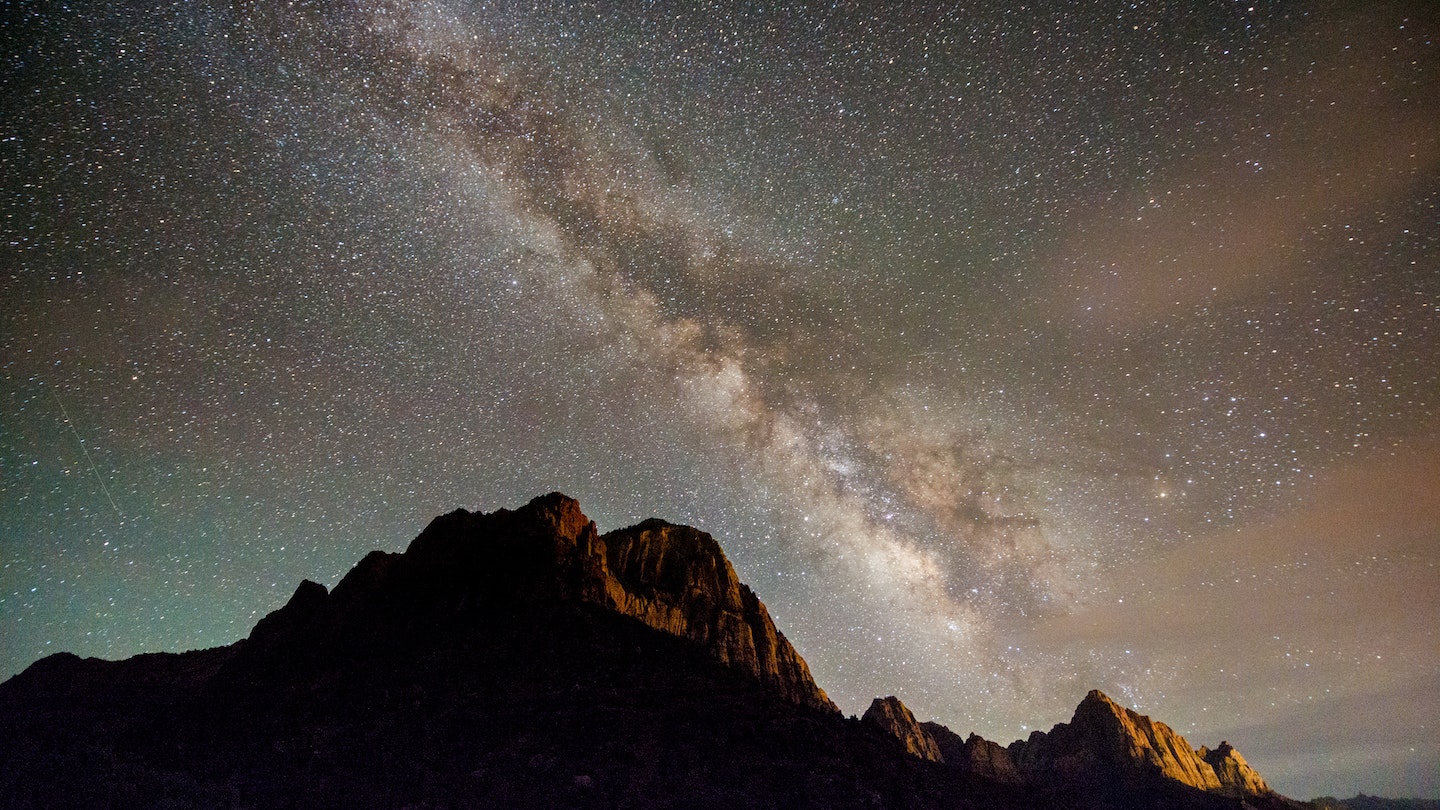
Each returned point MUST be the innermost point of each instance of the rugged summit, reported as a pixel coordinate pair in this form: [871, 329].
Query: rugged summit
[974, 754]
[1103, 744]
[897, 721]
[1104, 738]
[1234, 773]
[675, 579]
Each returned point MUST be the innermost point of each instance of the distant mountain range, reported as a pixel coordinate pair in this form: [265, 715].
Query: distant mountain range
[1363, 802]
[521, 659]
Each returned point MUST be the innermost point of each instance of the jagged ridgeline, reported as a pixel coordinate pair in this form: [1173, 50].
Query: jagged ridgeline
[522, 659]
[1103, 744]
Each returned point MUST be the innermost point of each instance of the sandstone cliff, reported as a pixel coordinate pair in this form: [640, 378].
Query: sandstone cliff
[1235, 774]
[896, 719]
[676, 579]
[976, 756]
[1104, 743]
[1105, 737]
[520, 659]
[672, 578]
[1105, 740]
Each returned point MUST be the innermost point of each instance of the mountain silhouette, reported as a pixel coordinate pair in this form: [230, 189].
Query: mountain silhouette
[522, 659]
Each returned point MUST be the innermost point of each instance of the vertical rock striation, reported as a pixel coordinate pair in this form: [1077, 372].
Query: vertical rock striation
[676, 579]
[1235, 774]
[1105, 737]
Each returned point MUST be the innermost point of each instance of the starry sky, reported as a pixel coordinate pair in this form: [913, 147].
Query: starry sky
[1009, 351]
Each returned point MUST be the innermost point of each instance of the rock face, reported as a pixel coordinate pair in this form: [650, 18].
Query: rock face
[676, 579]
[896, 719]
[1103, 738]
[672, 578]
[1235, 774]
[1104, 744]
[1107, 741]
[974, 754]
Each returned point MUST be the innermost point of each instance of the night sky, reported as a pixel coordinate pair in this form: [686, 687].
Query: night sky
[1009, 352]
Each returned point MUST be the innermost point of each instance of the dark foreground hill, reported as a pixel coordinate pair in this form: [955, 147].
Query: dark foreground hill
[520, 659]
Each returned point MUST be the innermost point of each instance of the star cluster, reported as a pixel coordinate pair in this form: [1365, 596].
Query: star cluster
[1009, 352]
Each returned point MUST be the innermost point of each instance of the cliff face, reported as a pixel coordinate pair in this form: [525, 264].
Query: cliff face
[1235, 774]
[672, 578]
[1104, 744]
[676, 579]
[1105, 737]
[897, 720]
[975, 756]
[1107, 742]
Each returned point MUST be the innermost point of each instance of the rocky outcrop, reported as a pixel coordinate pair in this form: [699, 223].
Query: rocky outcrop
[1103, 744]
[1235, 774]
[309, 600]
[674, 579]
[1105, 741]
[896, 719]
[974, 754]
[1105, 738]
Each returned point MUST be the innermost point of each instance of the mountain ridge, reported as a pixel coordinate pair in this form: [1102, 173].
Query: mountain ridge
[1102, 741]
[521, 658]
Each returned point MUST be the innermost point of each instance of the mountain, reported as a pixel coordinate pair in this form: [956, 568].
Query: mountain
[1105, 746]
[1104, 739]
[522, 659]
[1235, 774]
[893, 717]
[974, 754]
[674, 579]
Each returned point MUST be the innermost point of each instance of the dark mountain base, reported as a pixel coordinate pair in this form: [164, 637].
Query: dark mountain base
[573, 708]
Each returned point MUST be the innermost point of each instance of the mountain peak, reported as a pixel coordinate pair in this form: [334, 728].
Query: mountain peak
[678, 580]
[1234, 773]
[896, 719]
[1098, 702]
[561, 511]
[1104, 743]
[675, 579]
[1106, 737]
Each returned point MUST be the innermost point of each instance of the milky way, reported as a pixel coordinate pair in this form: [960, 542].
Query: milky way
[1009, 353]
